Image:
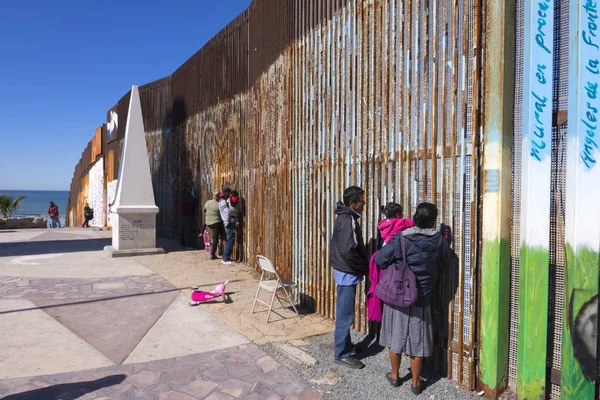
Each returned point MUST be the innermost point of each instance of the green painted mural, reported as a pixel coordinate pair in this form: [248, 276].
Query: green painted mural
[495, 269]
[533, 323]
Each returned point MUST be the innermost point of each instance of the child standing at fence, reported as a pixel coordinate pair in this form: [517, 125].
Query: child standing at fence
[388, 227]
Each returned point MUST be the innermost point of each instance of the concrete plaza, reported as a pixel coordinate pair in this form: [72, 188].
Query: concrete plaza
[76, 324]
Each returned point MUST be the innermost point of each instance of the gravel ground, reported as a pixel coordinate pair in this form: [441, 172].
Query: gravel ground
[334, 381]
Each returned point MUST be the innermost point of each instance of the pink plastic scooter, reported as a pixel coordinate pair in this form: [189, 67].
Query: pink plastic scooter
[199, 296]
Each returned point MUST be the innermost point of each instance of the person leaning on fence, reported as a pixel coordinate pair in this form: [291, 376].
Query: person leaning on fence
[348, 258]
[235, 217]
[229, 230]
[215, 223]
[410, 330]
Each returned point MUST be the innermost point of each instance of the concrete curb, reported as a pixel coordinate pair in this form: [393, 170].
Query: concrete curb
[296, 354]
[114, 253]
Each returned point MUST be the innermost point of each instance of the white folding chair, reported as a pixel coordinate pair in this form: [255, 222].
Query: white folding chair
[273, 286]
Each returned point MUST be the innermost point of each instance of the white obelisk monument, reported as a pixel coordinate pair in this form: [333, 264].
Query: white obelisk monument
[134, 209]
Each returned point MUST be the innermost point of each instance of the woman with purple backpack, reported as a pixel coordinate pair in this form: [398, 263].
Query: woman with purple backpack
[409, 330]
[387, 228]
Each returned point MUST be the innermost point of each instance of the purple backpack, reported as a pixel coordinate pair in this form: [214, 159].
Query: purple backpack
[398, 287]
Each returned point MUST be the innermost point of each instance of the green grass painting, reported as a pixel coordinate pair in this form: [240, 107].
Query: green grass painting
[495, 287]
[533, 323]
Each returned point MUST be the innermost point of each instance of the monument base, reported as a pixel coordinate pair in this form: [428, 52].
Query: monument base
[114, 253]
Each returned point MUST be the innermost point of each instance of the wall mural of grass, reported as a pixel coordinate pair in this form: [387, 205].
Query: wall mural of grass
[533, 322]
[494, 311]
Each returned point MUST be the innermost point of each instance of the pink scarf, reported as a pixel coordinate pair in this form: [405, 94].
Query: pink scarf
[388, 228]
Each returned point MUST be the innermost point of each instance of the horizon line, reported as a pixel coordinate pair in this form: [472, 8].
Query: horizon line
[34, 190]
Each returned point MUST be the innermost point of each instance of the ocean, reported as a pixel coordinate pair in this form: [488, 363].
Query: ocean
[37, 202]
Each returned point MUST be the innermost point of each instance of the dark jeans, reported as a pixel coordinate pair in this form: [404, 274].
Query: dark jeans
[86, 223]
[344, 318]
[230, 233]
[54, 222]
[187, 236]
[217, 232]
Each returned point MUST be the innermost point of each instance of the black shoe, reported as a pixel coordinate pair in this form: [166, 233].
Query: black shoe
[214, 257]
[351, 362]
[356, 348]
[394, 382]
[418, 390]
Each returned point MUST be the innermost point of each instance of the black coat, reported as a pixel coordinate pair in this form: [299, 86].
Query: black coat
[427, 252]
[347, 252]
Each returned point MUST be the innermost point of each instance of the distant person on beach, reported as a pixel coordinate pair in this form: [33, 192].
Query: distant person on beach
[53, 214]
[215, 223]
[187, 206]
[88, 215]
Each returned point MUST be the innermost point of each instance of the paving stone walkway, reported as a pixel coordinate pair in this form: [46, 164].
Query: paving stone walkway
[244, 372]
[75, 324]
[81, 289]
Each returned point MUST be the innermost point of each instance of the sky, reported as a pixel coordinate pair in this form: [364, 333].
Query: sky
[64, 63]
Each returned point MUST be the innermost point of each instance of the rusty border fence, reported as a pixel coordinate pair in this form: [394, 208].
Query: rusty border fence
[387, 97]
[295, 100]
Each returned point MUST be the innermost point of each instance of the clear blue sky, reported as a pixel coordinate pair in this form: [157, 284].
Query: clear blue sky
[64, 63]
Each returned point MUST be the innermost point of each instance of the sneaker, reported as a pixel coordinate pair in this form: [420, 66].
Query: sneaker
[228, 262]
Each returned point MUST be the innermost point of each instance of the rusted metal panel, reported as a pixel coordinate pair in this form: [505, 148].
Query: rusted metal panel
[122, 111]
[429, 77]
[294, 101]
[86, 157]
[96, 145]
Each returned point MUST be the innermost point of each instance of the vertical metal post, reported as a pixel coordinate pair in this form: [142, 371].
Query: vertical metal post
[498, 115]
[582, 216]
[535, 205]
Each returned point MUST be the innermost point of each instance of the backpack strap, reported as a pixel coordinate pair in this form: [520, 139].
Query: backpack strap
[403, 246]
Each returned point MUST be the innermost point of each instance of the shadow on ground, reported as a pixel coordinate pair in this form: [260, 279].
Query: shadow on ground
[30, 248]
[68, 391]
[228, 300]
[52, 247]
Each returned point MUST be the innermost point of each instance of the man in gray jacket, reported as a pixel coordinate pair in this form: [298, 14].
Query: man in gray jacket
[215, 223]
[349, 260]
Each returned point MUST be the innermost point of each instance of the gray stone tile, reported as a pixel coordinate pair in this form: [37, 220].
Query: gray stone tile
[289, 389]
[239, 369]
[236, 388]
[310, 394]
[219, 396]
[172, 395]
[199, 388]
[180, 377]
[145, 378]
[217, 374]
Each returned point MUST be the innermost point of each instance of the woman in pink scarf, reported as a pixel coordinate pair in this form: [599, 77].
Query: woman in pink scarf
[391, 225]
